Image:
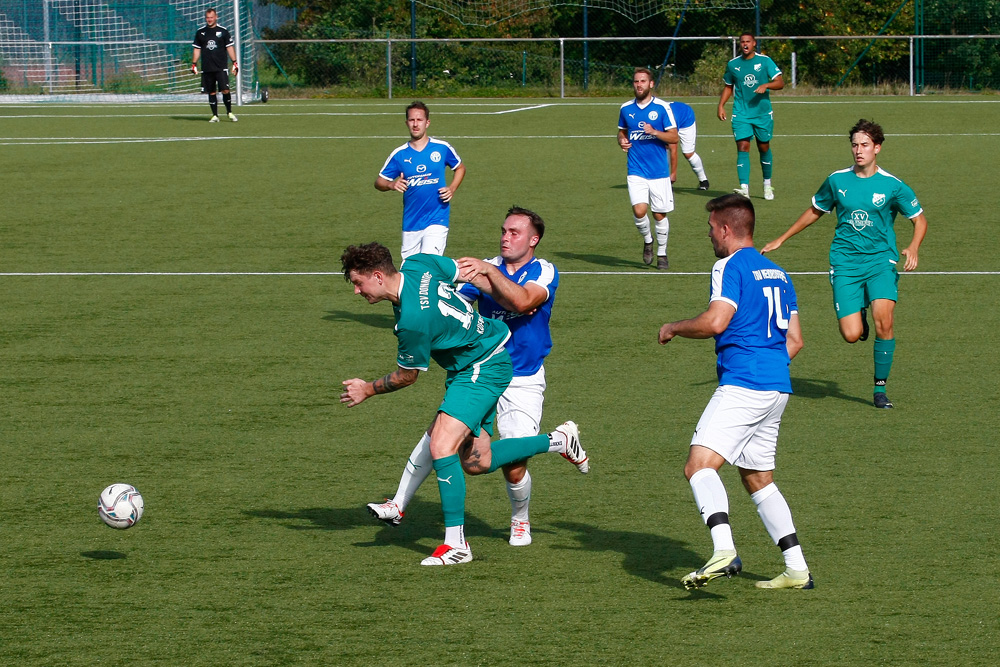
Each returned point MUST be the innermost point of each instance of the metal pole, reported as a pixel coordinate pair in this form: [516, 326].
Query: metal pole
[48, 48]
[388, 65]
[913, 87]
[794, 69]
[757, 12]
[586, 62]
[524, 68]
[413, 45]
[239, 54]
[562, 68]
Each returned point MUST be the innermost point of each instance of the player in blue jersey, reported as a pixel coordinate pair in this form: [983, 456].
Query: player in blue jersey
[863, 255]
[433, 322]
[753, 316]
[418, 170]
[687, 134]
[749, 78]
[519, 289]
[645, 127]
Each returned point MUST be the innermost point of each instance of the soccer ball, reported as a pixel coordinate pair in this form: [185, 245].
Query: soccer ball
[120, 506]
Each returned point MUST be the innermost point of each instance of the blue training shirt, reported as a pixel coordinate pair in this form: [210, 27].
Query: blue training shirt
[530, 339]
[751, 351]
[683, 114]
[648, 157]
[424, 172]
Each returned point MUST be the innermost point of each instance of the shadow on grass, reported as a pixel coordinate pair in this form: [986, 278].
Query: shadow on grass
[603, 260]
[376, 320]
[103, 555]
[809, 388]
[200, 119]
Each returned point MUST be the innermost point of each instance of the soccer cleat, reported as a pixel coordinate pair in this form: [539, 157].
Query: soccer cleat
[703, 185]
[864, 325]
[768, 192]
[647, 253]
[387, 511]
[742, 191]
[448, 555]
[661, 263]
[213, 119]
[574, 451]
[882, 401]
[790, 579]
[233, 117]
[520, 533]
[721, 564]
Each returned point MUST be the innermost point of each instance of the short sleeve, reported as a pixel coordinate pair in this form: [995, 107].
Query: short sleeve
[413, 349]
[824, 199]
[906, 202]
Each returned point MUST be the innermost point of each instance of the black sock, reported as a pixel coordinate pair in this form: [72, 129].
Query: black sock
[214, 103]
[227, 99]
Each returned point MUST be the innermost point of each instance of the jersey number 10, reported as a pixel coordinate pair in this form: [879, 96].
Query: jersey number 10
[773, 296]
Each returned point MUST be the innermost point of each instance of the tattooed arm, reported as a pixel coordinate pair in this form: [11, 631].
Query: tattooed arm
[357, 390]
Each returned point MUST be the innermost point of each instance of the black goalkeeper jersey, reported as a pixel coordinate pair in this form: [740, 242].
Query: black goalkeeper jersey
[213, 43]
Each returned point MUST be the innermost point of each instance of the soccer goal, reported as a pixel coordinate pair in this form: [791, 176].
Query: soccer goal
[116, 50]
[490, 12]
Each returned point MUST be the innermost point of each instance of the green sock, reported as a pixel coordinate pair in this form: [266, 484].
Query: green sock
[766, 164]
[509, 450]
[743, 167]
[883, 362]
[451, 484]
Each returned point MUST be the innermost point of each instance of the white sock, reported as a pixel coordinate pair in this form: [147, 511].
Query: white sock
[557, 442]
[777, 518]
[520, 496]
[662, 233]
[454, 536]
[767, 182]
[698, 167]
[418, 467]
[713, 503]
[642, 224]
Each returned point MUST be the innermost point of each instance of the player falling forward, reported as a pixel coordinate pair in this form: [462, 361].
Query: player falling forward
[645, 127]
[217, 44]
[753, 316]
[433, 322]
[863, 255]
[417, 169]
[749, 78]
[519, 289]
[687, 134]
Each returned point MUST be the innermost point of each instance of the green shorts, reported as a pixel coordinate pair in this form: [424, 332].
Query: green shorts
[471, 395]
[854, 291]
[762, 128]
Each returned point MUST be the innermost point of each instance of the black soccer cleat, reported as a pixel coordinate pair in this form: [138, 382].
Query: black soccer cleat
[703, 185]
[882, 401]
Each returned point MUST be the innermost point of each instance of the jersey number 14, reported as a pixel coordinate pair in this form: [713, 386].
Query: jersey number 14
[773, 296]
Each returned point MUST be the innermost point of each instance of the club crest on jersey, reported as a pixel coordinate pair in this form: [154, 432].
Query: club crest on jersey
[878, 198]
[756, 67]
[435, 157]
[750, 81]
[218, 33]
[211, 45]
[653, 115]
[859, 220]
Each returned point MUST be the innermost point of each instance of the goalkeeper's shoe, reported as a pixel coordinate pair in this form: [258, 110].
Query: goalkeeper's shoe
[387, 511]
[789, 579]
[449, 555]
[213, 119]
[574, 451]
[722, 564]
[520, 533]
[745, 191]
[233, 117]
[768, 192]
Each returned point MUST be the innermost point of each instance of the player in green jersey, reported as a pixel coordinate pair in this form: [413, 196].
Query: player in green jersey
[863, 255]
[433, 322]
[749, 78]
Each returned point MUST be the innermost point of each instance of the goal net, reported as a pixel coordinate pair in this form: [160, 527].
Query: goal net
[124, 50]
[489, 12]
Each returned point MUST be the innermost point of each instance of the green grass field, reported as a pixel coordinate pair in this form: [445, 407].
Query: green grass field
[173, 317]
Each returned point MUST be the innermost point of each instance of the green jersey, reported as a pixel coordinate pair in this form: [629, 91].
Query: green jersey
[434, 322]
[745, 75]
[866, 210]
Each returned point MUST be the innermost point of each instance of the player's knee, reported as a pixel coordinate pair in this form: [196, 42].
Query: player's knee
[514, 472]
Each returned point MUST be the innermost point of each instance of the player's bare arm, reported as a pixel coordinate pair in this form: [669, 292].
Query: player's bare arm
[793, 337]
[710, 323]
[727, 92]
[777, 83]
[523, 299]
[447, 193]
[910, 252]
[809, 216]
[623, 141]
[399, 184]
[232, 56]
[194, 61]
[356, 390]
[666, 136]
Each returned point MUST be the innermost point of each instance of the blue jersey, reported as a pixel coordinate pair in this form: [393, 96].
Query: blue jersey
[683, 114]
[530, 340]
[751, 351]
[424, 172]
[648, 157]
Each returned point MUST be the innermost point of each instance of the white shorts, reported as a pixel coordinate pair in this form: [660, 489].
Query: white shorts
[431, 240]
[741, 425]
[656, 192]
[687, 138]
[519, 410]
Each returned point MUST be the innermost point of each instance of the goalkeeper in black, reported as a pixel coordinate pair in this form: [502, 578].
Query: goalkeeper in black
[219, 48]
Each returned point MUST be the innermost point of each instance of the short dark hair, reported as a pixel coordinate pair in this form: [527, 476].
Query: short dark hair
[366, 259]
[869, 127]
[417, 104]
[748, 34]
[536, 220]
[211, 10]
[735, 211]
[645, 70]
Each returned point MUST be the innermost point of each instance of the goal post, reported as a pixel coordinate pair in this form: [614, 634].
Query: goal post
[115, 50]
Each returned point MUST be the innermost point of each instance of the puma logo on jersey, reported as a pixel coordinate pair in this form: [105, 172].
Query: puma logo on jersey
[408, 160]
[842, 192]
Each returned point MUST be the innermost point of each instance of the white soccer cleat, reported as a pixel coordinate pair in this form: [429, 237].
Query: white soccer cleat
[520, 533]
[742, 191]
[387, 511]
[574, 451]
[233, 117]
[768, 192]
[448, 555]
[213, 119]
